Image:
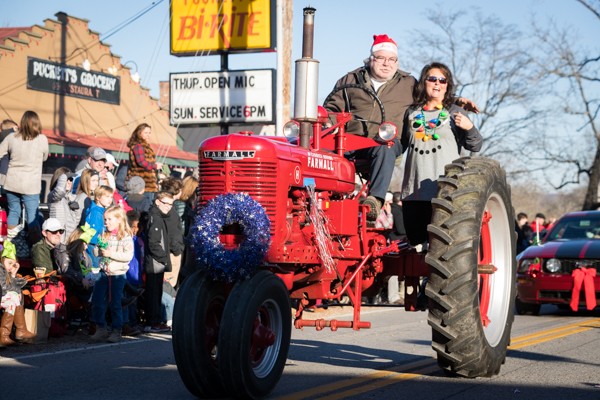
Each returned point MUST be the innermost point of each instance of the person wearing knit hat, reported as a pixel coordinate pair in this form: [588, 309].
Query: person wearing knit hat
[356, 91]
[135, 194]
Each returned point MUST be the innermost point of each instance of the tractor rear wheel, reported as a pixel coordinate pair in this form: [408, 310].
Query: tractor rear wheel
[255, 336]
[196, 320]
[472, 262]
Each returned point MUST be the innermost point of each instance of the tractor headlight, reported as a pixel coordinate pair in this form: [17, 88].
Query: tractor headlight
[387, 131]
[291, 130]
[553, 265]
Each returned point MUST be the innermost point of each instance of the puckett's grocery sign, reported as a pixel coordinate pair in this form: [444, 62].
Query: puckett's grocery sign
[72, 81]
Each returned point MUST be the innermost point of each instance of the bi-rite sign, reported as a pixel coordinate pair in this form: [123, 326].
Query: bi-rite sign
[202, 98]
[222, 26]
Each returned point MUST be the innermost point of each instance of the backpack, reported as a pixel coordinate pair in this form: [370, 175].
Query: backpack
[55, 301]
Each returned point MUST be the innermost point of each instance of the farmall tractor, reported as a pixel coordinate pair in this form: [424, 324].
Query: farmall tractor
[280, 223]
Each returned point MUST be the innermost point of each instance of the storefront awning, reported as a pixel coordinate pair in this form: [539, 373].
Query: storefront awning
[75, 145]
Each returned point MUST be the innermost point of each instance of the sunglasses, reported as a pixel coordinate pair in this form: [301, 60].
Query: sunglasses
[434, 79]
[61, 231]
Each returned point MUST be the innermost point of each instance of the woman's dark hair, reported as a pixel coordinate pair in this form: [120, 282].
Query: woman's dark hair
[419, 92]
[136, 137]
[59, 171]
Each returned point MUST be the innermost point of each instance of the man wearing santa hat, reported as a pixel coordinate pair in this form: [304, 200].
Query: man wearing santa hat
[394, 88]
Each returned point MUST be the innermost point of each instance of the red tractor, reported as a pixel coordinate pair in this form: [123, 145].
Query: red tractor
[281, 223]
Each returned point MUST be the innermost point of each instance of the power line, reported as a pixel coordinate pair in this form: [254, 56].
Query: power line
[130, 20]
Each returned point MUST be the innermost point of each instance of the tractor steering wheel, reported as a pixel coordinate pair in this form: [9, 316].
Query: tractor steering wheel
[369, 91]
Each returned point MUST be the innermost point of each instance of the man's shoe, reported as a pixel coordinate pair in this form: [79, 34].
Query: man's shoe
[130, 331]
[160, 328]
[114, 337]
[100, 336]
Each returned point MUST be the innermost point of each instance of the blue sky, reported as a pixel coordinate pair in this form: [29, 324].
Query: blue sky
[343, 30]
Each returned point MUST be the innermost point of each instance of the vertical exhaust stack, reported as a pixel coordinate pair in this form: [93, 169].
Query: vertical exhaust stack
[307, 81]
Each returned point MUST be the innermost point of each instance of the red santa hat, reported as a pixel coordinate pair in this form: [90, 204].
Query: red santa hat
[384, 42]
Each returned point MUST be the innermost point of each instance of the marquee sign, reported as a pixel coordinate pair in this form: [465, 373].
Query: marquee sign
[222, 97]
[72, 81]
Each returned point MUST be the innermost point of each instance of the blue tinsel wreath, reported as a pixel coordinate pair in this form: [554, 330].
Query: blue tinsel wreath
[231, 265]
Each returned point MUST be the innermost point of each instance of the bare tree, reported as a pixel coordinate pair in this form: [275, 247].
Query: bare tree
[573, 77]
[593, 6]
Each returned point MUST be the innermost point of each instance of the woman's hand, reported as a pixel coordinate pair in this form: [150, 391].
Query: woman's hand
[467, 104]
[105, 253]
[462, 121]
[387, 207]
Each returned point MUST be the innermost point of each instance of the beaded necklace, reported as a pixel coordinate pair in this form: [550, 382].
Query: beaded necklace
[426, 129]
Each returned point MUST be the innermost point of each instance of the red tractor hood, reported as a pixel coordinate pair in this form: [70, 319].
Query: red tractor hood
[295, 164]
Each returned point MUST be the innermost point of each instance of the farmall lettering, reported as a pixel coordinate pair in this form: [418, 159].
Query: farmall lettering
[229, 155]
[320, 161]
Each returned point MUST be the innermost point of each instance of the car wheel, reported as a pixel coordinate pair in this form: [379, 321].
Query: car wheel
[527, 308]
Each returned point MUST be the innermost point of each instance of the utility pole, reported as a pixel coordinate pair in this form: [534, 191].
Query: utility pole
[284, 63]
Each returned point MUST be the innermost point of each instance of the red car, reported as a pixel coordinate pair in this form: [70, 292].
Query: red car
[563, 269]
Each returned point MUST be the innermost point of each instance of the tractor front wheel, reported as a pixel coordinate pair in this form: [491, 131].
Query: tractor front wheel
[471, 256]
[255, 336]
[196, 321]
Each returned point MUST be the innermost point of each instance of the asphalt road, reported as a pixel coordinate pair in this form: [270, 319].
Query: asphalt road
[553, 356]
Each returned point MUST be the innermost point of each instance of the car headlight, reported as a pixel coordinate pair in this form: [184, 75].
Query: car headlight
[525, 264]
[553, 265]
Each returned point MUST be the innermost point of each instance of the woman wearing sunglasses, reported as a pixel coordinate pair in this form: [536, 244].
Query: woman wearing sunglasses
[435, 132]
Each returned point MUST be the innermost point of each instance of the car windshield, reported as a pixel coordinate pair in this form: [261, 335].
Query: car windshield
[580, 227]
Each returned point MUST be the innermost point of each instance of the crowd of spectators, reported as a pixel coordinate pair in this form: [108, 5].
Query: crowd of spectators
[117, 248]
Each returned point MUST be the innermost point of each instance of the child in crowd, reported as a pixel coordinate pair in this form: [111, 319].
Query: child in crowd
[114, 263]
[135, 194]
[75, 268]
[157, 259]
[103, 198]
[174, 187]
[168, 302]
[84, 196]
[80, 268]
[11, 285]
[134, 277]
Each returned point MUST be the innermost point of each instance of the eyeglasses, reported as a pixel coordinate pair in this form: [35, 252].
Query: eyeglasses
[61, 231]
[434, 79]
[382, 60]
[166, 203]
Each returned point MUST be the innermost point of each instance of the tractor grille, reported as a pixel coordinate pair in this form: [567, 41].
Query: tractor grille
[258, 179]
[569, 264]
